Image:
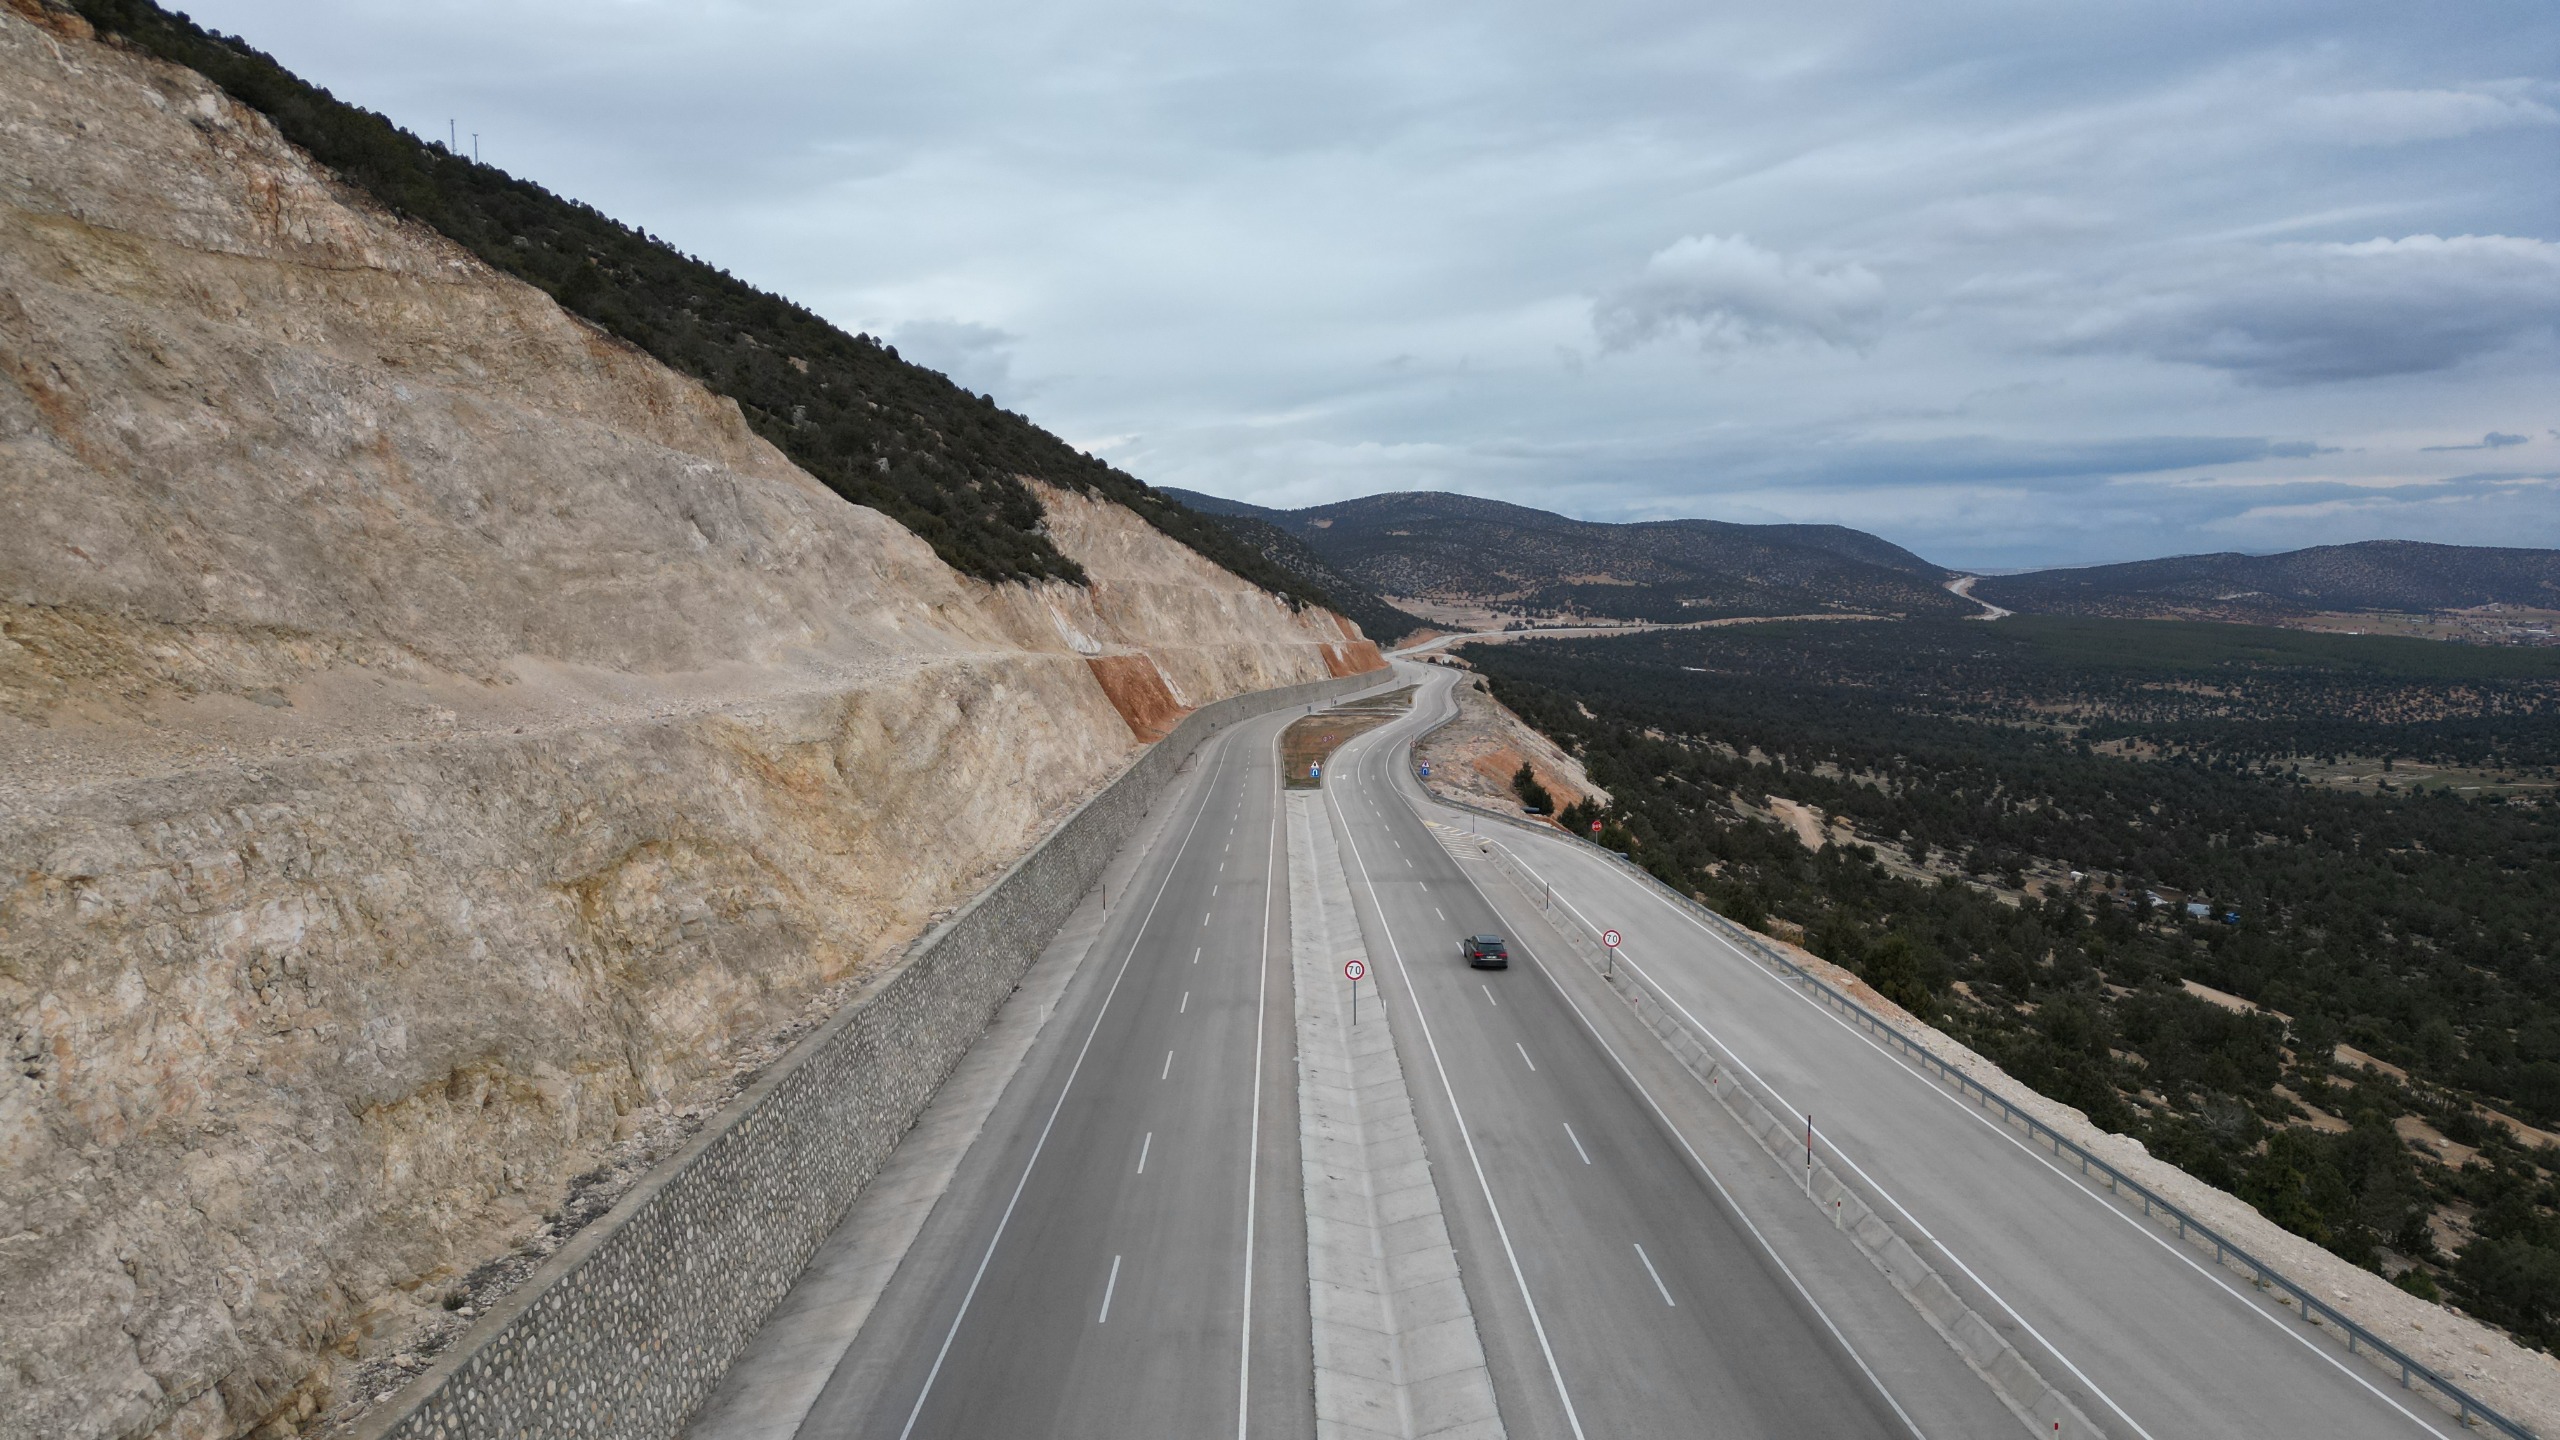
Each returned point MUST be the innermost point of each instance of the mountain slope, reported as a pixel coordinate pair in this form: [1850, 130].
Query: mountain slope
[1255, 526]
[2375, 575]
[441, 748]
[1443, 550]
[880, 431]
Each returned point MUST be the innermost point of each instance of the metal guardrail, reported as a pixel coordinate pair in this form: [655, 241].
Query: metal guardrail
[2413, 1372]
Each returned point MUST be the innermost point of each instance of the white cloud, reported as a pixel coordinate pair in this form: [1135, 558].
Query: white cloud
[1730, 293]
[2396, 117]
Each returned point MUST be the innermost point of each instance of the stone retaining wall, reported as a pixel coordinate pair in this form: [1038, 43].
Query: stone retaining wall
[633, 1323]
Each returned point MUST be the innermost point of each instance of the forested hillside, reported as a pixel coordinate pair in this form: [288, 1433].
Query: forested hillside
[878, 430]
[1251, 524]
[2054, 823]
[1438, 548]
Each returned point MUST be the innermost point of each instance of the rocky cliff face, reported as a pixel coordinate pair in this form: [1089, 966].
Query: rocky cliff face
[434, 739]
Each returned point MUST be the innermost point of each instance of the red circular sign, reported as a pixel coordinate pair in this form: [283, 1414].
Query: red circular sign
[1354, 969]
[1609, 938]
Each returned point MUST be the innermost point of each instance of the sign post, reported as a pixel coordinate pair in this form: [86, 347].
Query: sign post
[1352, 970]
[1610, 939]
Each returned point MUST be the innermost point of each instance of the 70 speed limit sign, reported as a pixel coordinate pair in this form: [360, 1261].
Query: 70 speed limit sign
[1609, 938]
[1353, 969]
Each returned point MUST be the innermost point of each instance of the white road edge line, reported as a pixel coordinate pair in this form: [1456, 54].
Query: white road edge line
[1038, 1145]
[1253, 1142]
[1577, 1142]
[1695, 1158]
[1113, 1284]
[1554, 1372]
[2281, 1324]
[1657, 1278]
[1785, 1104]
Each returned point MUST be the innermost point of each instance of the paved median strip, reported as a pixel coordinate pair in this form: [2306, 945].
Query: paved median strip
[1396, 1347]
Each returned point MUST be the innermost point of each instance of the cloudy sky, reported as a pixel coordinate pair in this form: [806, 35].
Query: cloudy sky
[2012, 282]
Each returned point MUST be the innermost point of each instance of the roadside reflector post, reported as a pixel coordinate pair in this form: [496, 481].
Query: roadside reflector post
[1808, 1157]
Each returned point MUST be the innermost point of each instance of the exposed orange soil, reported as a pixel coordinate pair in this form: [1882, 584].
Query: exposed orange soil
[1138, 691]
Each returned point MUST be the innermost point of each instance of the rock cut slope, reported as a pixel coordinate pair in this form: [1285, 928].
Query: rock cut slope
[433, 738]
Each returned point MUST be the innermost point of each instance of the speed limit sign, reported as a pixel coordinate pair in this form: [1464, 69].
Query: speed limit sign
[1609, 938]
[1353, 969]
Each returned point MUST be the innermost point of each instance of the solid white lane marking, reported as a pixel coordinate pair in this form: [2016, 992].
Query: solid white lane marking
[1519, 1278]
[1113, 1284]
[1577, 1143]
[1731, 1205]
[1168, 1065]
[971, 1294]
[1657, 1278]
[1488, 994]
[1524, 1054]
[1942, 1249]
[1186, 1004]
[1253, 1136]
[1143, 1147]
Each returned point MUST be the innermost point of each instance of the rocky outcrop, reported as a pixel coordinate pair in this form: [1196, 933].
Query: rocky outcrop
[434, 738]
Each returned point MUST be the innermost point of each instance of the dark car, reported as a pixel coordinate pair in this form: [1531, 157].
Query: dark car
[1486, 952]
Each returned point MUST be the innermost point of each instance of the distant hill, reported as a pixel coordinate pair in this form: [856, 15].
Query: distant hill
[2397, 576]
[1438, 549]
[1376, 618]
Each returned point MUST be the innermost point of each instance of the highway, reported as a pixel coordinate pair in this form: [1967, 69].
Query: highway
[1087, 1273]
[1121, 1249]
[1617, 1290]
[2151, 1337]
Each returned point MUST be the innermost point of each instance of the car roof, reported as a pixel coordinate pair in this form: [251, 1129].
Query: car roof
[1488, 939]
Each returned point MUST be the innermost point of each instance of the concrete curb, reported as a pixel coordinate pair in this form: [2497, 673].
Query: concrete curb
[2039, 1406]
[1397, 1353]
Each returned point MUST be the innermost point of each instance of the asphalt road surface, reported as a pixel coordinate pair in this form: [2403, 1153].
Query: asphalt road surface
[1087, 1274]
[2156, 1340]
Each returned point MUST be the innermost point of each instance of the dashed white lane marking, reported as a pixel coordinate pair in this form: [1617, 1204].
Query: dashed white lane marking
[1437, 911]
[1148, 1144]
[1105, 1317]
[1204, 917]
[1186, 1004]
[1524, 1054]
[1168, 1065]
[1488, 995]
[1213, 892]
[1568, 1134]
[1195, 953]
[1657, 1278]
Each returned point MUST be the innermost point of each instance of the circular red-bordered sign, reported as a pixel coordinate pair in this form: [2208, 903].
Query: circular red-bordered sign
[1609, 938]
[1353, 969]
